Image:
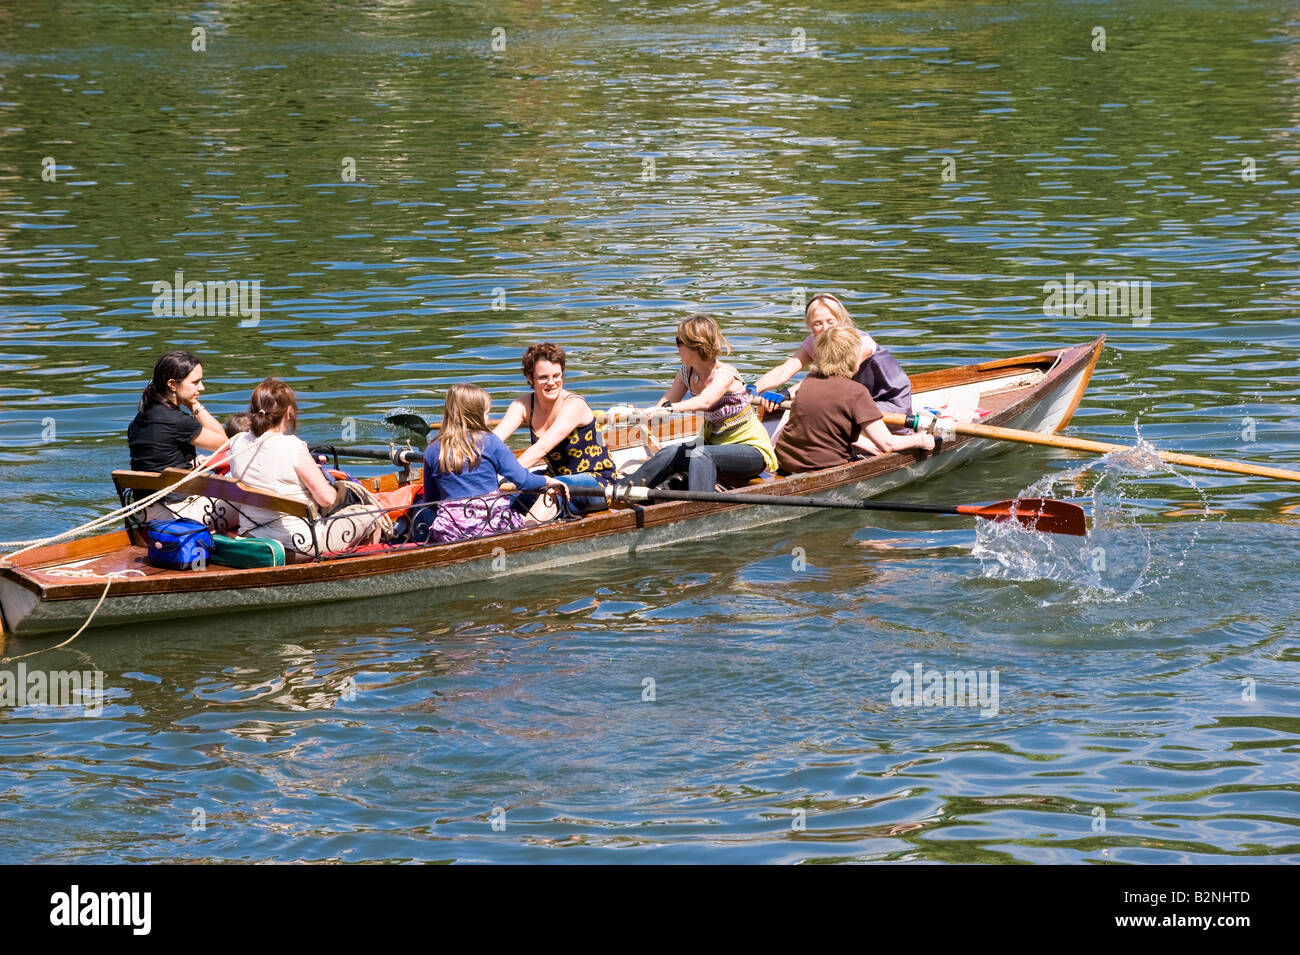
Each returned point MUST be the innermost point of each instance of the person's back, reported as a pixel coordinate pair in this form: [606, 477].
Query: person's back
[161, 436]
[269, 458]
[474, 479]
[461, 471]
[828, 416]
[271, 467]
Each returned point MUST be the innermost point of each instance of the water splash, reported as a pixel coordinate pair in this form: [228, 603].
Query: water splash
[1118, 557]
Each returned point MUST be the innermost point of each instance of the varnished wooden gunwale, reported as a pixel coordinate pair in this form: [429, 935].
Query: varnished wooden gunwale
[1055, 365]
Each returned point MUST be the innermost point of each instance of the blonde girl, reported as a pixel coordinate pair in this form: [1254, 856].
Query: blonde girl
[877, 370]
[462, 470]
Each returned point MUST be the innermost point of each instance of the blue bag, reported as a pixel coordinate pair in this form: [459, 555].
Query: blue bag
[178, 544]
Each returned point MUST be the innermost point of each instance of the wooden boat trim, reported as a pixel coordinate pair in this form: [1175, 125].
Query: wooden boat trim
[212, 485]
[1083, 385]
[1054, 365]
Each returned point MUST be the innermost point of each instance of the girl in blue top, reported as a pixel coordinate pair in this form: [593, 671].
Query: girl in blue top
[462, 470]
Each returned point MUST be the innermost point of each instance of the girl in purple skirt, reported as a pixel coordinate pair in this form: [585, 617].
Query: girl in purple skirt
[461, 473]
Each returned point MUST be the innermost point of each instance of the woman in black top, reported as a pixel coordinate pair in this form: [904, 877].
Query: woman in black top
[163, 436]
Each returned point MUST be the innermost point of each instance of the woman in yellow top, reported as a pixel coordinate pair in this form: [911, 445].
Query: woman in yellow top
[735, 443]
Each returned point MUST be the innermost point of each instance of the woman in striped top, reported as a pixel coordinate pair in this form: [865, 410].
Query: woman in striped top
[735, 443]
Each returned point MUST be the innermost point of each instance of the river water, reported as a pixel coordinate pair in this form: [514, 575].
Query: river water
[422, 192]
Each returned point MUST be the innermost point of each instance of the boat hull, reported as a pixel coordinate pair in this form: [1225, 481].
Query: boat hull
[32, 605]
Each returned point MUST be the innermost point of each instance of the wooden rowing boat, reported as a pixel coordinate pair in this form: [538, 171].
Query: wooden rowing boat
[55, 588]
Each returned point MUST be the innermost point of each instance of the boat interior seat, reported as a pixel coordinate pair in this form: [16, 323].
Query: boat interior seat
[765, 478]
[130, 484]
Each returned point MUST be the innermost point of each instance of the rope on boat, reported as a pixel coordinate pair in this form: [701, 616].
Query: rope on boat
[122, 512]
[70, 572]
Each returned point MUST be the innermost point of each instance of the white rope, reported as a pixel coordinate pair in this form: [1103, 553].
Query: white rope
[75, 572]
[111, 518]
[122, 512]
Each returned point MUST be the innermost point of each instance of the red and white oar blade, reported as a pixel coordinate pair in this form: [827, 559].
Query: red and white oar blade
[1044, 515]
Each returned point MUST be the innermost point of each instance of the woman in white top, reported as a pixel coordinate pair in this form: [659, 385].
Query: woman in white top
[269, 458]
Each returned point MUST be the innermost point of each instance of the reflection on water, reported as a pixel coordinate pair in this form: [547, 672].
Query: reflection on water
[606, 171]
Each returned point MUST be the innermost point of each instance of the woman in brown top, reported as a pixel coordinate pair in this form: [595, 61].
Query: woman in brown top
[833, 415]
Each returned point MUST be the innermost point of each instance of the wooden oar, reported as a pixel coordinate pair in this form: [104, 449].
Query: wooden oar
[1040, 514]
[1094, 447]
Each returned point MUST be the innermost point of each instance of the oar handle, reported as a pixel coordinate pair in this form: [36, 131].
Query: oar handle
[1094, 447]
[397, 456]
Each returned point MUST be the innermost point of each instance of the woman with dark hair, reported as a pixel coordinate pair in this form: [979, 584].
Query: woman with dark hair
[561, 426]
[162, 435]
[269, 458]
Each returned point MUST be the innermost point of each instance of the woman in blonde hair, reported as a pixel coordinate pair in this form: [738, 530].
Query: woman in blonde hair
[735, 442]
[834, 414]
[462, 469]
[877, 370]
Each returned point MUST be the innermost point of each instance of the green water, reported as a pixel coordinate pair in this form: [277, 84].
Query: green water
[613, 167]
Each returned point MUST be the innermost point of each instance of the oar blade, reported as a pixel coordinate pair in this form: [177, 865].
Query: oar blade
[1044, 515]
[411, 422]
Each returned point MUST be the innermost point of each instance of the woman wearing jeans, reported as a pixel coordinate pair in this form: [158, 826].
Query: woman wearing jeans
[735, 442]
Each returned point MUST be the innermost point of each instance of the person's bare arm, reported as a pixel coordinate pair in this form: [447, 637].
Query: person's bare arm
[676, 391]
[571, 413]
[213, 434]
[878, 439]
[778, 376]
[783, 372]
[515, 417]
[723, 377]
[309, 473]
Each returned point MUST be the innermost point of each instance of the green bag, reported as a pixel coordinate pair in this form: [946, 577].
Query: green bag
[246, 551]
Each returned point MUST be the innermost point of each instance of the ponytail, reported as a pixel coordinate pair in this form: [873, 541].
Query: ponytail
[173, 366]
[149, 398]
[271, 403]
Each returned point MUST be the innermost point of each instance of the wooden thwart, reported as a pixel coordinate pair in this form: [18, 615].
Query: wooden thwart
[211, 485]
